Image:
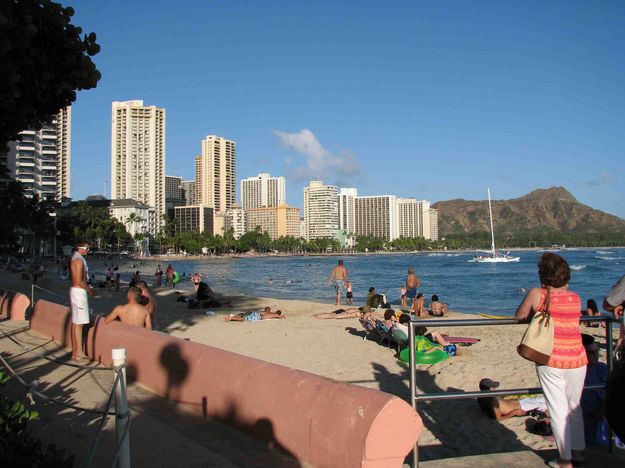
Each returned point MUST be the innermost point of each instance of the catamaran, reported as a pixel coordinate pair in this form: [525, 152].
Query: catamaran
[492, 255]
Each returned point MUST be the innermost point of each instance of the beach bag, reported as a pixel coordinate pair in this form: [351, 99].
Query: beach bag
[537, 342]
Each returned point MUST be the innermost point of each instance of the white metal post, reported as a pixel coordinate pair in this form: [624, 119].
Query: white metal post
[121, 408]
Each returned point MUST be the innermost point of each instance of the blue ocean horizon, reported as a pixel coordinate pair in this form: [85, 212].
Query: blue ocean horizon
[466, 286]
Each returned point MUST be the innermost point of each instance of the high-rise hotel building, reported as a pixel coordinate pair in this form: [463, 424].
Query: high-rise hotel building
[215, 174]
[41, 159]
[321, 211]
[377, 216]
[263, 191]
[138, 153]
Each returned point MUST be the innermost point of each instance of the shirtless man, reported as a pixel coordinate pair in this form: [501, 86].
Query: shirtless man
[437, 308]
[78, 273]
[132, 313]
[338, 278]
[147, 301]
[412, 283]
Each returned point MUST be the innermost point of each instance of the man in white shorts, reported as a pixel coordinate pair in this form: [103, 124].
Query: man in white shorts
[79, 272]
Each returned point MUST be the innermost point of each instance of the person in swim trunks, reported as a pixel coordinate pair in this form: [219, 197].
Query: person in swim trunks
[412, 283]
[338, 277]
[255, 316]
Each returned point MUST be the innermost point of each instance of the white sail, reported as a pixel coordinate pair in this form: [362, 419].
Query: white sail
[493, 256]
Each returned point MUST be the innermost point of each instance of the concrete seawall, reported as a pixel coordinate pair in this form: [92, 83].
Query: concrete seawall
[318, 421]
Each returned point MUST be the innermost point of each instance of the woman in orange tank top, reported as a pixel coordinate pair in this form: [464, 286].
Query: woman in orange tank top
[562, 379]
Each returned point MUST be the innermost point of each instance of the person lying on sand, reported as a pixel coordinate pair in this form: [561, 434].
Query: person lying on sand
[353, 312]
[132, 313]
[500, 408]
[255, 316]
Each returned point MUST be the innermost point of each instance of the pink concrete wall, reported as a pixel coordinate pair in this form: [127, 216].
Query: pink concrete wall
[13, 305]
[317, 420]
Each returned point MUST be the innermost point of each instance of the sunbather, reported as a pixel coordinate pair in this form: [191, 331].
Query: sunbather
[437, 308]
[255, 316]
[502, 408]
[353, 312]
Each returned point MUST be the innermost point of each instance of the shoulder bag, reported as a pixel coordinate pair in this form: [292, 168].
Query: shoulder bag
[537, 342]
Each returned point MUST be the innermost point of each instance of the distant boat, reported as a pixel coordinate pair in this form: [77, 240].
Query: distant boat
[492, 255]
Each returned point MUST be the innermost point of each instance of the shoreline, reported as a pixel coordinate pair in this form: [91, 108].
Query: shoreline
[155, 258]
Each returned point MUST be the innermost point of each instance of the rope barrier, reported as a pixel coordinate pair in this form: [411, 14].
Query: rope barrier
[42, 356]
[52, 293]
[31, 389]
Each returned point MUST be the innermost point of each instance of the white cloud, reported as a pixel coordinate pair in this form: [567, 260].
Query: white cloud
[320, 163]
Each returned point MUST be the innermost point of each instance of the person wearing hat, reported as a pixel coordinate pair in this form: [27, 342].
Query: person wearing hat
[79, 302]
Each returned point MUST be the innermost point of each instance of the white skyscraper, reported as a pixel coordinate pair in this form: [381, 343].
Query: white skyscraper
[263, 191]
[377, 216]
[41, 159]
[138, 153]
[347, 209]
[409, 219]
[215, 174]
[321, 210]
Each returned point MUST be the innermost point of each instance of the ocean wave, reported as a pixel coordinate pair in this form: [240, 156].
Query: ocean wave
[604, 252]
[604, 257]
[436, 255]
[577, 267]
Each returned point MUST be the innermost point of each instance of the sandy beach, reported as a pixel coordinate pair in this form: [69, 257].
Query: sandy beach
[336, 349]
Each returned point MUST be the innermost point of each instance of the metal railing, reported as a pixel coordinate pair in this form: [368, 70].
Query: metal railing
[415, 398]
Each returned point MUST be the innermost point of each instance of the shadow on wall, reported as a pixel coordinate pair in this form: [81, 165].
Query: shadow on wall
[177, 370]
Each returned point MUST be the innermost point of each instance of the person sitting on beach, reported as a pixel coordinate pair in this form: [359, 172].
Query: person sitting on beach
[504, 408]
[375, 300]
[255, 316]
[203, 297]
[147, 300]
[592, 401]
[437, 308]
[426, 341]
[132, 313]
[591, 311]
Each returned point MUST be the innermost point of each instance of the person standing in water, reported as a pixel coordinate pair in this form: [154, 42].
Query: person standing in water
[338, 277]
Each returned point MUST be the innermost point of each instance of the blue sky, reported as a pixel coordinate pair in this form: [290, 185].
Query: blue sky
[433, 100]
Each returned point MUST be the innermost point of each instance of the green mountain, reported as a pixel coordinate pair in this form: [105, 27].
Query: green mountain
[552, 209]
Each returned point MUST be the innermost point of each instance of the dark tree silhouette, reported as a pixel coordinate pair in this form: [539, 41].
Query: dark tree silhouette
[43, 62]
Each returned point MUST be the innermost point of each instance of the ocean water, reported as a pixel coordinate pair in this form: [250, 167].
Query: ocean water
[468, 287]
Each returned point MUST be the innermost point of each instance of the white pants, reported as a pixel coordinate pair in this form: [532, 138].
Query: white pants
[563, 390]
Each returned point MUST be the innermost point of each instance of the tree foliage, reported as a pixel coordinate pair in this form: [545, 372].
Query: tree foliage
[43, 62]
[94, 225]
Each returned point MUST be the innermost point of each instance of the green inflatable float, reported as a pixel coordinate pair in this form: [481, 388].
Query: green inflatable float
[422, 356]
[175, 278]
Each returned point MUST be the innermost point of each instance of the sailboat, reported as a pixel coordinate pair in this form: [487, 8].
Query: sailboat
[492, 255]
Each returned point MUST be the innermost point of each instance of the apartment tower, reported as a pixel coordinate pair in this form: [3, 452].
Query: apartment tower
[138, 153]
[321, 211]
[215, 174]
[263, 191]
[41, 159]
[377, 216]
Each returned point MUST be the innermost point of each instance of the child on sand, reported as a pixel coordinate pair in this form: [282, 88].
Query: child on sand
[349, 297]
[402, 296]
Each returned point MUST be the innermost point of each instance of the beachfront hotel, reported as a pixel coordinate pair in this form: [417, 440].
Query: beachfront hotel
[196, 218]
[41, 159]
[138, 217]
[377, 216]
[138, 153]
[263, 191]
[321, 210]
[215, 174]
[277, 221]
[235, 219]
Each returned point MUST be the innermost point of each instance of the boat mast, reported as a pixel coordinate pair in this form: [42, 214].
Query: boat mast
[492, 230]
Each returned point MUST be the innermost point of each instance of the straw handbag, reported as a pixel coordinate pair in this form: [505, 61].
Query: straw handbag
[537, 342]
